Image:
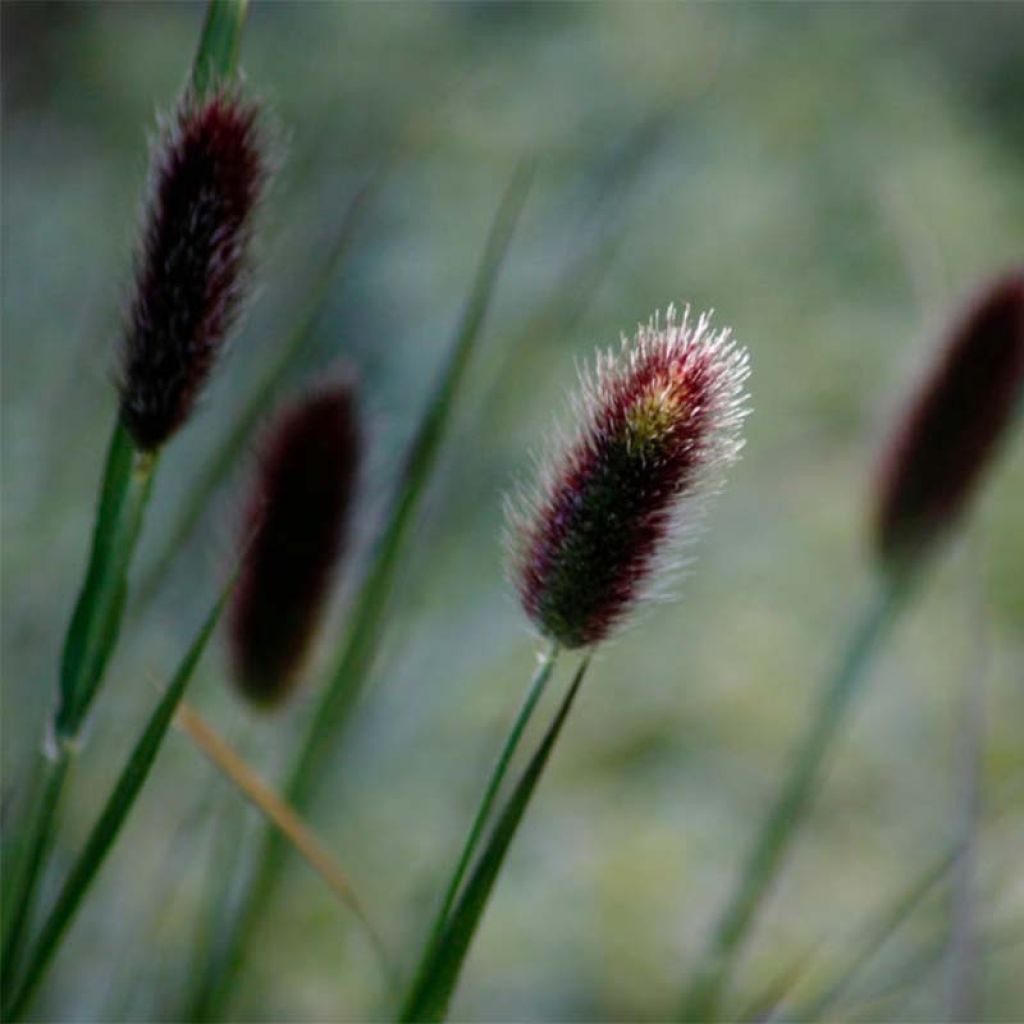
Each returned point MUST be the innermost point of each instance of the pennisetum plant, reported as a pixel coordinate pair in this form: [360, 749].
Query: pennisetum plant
[653, 429]
[930, 470]
[209, 170]
[651, 433]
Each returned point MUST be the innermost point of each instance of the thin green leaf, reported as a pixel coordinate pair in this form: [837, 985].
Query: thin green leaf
[428, 1000]
[367, 620]
[874, 935]
[215, 907]
[92, 634]
[533, 695]
[29, 858]
[217, 54]
[225, 457]
[368, 617]
[911, 970]
[107, 828]
[95, 623]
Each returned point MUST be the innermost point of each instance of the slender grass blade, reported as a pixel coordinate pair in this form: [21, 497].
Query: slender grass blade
[429, 998]
[368, 617]
[873, 936]
[533, 695]
[111, 820]
[92, 634]
[95, 623]
[28, 861]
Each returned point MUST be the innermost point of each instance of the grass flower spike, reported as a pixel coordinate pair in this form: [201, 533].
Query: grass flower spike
[208, 175]
[298, 518]
[657, 425]
[953, 425]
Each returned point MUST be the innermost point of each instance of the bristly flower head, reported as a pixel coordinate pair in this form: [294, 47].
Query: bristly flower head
[654, 428]
[296, 528]
[208, 174]
[952, 426]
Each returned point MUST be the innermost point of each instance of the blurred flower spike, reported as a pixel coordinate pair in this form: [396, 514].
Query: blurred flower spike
[952, 426]
[207, 177]
[296, 528]
[653, 430]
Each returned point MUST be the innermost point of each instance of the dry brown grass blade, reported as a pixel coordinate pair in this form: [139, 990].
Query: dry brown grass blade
[230, 764]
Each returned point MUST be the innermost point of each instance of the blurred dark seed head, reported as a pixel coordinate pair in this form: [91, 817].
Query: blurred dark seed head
[653, 430]
[952, 426]
[296, 527]
[208, 173]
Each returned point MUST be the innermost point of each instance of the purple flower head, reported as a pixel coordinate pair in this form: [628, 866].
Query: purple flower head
[296, 528]
[952, 426]
[653, 430]
[208, 174]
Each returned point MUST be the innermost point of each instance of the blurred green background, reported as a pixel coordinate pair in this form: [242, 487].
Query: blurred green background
[833, 180]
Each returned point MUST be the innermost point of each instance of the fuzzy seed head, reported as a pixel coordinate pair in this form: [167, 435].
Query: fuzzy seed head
[952, 426]
[296, 528]
[208, 174]
[654, 428]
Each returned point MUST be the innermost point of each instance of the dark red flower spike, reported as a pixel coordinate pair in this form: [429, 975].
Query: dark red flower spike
[952, 426]
[296, 527]
[654, 429]
[208, 175]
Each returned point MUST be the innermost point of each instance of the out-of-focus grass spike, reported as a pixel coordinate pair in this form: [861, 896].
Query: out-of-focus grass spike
[124, 493]
[116, 810]
[438, 976]
[225, 457]
[369, 610]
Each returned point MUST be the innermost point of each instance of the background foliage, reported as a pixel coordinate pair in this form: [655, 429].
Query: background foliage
[832, 180]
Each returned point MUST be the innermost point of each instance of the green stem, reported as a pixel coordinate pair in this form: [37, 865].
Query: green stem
[110, 822]
[533, 695]
[435, 983]
[780, 824]
[96, 622]
[42, 811]
[217, 54]
[89, 643]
